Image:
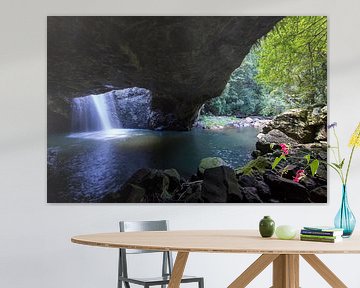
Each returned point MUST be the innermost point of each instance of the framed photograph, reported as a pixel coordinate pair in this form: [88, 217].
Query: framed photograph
[198, 109]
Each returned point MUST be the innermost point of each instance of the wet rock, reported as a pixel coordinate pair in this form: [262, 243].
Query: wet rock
[247, 181]
[250, 195]
[174, 178]
[309, 182]
[286, 190]
[129, 193]
[147, 185]
[319, 195]
[218, 183]
[263, 191]
[190, 193]
[236, 196]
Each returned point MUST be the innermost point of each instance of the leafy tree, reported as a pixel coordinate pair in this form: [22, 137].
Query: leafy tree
[293, 57]
[242, 94]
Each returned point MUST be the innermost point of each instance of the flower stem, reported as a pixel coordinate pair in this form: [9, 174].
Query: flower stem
[349, 164]
[338, 145]
[340, 159]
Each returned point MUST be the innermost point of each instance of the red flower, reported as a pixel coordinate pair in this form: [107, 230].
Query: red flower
[300, 174]
[284, 148]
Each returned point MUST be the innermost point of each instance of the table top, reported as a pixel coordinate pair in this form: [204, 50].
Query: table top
[216, 241]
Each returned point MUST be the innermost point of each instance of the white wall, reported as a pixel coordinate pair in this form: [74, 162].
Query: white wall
[35, 248]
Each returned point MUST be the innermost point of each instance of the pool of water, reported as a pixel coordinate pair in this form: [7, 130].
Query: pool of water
[83, 167]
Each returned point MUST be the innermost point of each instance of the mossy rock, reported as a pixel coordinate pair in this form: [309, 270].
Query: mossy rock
[211, 162]
[259, 164]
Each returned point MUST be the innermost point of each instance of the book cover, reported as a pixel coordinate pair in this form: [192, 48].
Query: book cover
[319, 236]
[321, 239]
[321, 233]
[323, 228]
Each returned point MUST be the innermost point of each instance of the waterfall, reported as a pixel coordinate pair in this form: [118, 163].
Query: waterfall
[94, 113]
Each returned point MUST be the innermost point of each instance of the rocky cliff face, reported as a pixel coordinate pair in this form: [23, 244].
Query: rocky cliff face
[133, 107]
[183, 61]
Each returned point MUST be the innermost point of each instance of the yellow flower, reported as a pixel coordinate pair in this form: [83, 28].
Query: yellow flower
[355, 138]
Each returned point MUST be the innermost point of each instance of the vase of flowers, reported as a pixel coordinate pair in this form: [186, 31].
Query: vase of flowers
[344, 219]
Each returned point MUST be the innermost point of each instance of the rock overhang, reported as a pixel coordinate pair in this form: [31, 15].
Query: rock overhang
[183, 61]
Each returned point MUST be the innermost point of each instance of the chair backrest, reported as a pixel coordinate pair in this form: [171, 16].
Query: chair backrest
[135, 226]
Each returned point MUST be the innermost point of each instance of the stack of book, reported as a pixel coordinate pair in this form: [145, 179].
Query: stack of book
[321, 234]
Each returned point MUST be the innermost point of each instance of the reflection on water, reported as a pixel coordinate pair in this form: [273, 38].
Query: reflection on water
[82, 167]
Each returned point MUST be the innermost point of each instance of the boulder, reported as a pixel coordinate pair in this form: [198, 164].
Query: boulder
[250, 195]
[318, 116]
[130, 193]
[174, 178]
[321, 134]
[295, 124]
[218, 183]
[274, 136]
[147, 185]
[319, 195]
[236, 196]
[262, 189]
[286, 190]
[210, 162]
[301, 124]
[247, 181]
[190, 193]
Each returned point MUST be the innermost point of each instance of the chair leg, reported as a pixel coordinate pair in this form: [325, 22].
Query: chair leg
[201, 283]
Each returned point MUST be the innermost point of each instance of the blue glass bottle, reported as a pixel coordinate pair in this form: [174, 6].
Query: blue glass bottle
[345, 219]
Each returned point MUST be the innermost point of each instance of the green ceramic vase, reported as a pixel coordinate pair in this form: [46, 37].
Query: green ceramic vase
[267, 227]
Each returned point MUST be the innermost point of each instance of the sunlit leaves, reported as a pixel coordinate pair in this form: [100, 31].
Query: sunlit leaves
[293, 56]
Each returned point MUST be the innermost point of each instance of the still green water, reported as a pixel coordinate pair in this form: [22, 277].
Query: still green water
[83, 167]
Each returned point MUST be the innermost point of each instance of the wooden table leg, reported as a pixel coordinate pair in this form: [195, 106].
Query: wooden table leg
[286, 271]
[178, 269]
[253, 270]
[324, 271]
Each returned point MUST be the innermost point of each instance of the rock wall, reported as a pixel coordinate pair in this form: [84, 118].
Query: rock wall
[183, 61]
[133, 107]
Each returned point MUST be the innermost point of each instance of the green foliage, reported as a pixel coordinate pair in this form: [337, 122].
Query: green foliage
[244, 96]
[314, 165]
[293, 57]
[242, 93]
[277, 161]
[287, 69]
[259, 164]
[212, 121]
